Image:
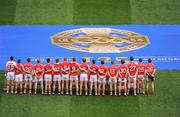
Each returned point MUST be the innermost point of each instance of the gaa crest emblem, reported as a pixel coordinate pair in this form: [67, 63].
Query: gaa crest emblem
[100, 40]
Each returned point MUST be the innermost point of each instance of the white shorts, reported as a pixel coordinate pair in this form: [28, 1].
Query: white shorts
[132, 78]
[112, 80]
[103, 79]
[57, 78]
[73, 78]
[28, 77]
[83, 77]
[38, 79]
[47, 77]
[19, 78]
[65, 77]
[122, 80]
[10, 75]
[93, 78]
[140, 77]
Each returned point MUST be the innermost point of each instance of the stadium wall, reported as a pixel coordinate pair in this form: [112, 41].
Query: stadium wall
[34, 42]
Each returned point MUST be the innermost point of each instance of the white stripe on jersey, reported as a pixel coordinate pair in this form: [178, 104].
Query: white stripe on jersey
[10, 65]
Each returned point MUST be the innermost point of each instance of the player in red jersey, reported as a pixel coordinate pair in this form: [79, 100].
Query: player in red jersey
[113, 73]
[57, 76]
[84, 75]
[93, 76]
[10, 74]
[48, 69]
[65, 75]
[38, 72]
[74, 69]
[140, 77]
[18, 76]
[102, 78]
[123, 73]
[150, 71]
[132, 70]
[29, 72]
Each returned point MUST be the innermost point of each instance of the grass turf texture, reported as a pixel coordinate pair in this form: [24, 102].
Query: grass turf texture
[34, 12]
[165, 102]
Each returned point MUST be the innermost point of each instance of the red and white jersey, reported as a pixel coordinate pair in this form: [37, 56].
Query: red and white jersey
[113, 70]
[102, 70]
[39, 69]
[84, 67]
[141, 68]
[65, 67]
[150, 69]
[48, 69]
[132, 68]
[56, 68]
[93, 69]
[10, 66]
[28, 67]
[123, 70]
[19, 69]
[74, 67]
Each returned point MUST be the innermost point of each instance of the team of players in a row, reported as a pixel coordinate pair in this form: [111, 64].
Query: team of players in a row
[65, 74]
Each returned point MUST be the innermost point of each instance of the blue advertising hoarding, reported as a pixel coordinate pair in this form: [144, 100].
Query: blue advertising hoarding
[36, 42]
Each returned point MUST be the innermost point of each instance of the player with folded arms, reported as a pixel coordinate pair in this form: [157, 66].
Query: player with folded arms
[57, 76]
[19, 76]
[140, 77]
[38, 72]
[150, 72]
[84, 75]
[28, 77]
[48, 69]
[113, 73]
[74, 69]
[132, 70]
[10, 74]
[123, 75]
[65, 68]
[93, 76]
[102, 73]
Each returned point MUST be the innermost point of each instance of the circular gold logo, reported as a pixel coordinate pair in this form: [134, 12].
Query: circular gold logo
[100, 40]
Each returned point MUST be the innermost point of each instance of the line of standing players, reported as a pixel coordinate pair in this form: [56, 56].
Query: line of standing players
[62, 76]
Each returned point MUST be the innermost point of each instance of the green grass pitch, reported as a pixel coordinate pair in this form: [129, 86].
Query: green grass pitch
[47, 12]
[164, 103]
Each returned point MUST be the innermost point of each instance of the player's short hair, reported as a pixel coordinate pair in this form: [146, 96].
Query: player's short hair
[102, 62]
[140, 60]
[112, 62]
[48, 60]
[19, 60]
[28, 60]
[74, 59]
[122, 61]
[93, 61]
[38, 60]
[65, 59]
[131, 58]
[83, 60]
[149, 60]
[11, 58]
[57, 60]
